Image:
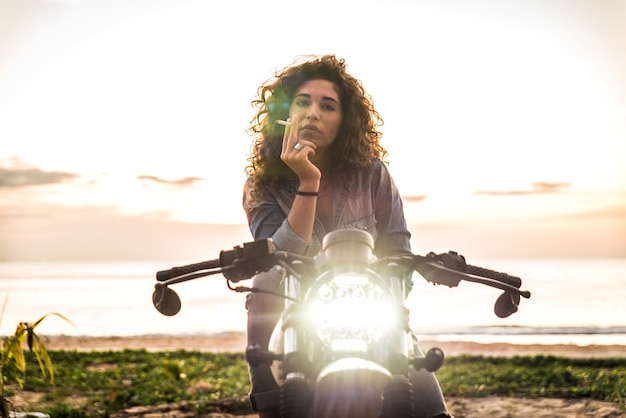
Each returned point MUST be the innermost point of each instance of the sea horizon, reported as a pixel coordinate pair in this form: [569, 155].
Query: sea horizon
[573, 302]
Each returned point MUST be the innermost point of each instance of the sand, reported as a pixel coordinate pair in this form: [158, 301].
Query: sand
[236, 342]
[493, 407]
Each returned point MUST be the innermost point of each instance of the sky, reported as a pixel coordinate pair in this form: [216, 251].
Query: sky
[123, 123]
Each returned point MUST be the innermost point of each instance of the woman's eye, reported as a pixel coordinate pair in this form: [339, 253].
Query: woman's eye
[302, 103]
[328, 107]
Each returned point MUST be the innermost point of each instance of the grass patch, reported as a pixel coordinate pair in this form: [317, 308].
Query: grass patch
[98, 384]
[535, 376]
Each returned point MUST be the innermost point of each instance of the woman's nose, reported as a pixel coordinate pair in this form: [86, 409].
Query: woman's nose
[313, 113]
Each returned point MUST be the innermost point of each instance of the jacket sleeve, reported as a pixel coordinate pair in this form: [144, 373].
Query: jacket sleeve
[267, 218]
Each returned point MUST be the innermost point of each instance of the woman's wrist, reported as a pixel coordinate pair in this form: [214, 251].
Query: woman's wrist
[307, 193]
[306, 188]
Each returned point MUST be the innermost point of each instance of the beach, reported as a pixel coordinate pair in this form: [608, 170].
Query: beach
[236, 342]
[493, 407]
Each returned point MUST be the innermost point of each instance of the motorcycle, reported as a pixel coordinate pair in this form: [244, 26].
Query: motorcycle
[343, 346]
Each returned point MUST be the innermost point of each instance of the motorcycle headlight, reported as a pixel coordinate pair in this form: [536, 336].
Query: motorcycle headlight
[350, 311]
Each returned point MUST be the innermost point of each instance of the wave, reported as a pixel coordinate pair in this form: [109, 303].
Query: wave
[527, 330]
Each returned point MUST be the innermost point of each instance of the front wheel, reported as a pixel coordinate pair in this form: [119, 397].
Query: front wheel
[398, 398]
[295, 399]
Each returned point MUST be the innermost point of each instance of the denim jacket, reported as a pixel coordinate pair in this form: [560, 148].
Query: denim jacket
[368, 200]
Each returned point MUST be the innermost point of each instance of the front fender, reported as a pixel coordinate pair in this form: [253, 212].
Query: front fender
[350, 387]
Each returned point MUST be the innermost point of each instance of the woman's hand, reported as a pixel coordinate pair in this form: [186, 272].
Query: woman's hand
[297, 153]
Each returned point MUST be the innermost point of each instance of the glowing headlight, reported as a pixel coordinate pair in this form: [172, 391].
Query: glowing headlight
[350, 311]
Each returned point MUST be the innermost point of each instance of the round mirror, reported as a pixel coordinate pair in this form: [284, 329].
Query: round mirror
[166, 301]
[506, 304]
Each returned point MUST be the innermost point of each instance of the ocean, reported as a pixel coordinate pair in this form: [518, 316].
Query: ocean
[573, 302]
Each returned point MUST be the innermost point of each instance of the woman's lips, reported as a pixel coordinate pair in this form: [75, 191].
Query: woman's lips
[312, 128]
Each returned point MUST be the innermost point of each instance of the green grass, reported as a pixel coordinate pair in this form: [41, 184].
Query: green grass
[535, 376]
[97, 384]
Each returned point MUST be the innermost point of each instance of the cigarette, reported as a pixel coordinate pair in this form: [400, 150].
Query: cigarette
[283, 122]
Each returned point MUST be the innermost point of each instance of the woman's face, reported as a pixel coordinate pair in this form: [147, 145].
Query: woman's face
[318, 107]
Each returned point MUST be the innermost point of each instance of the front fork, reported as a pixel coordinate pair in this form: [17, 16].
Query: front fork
[296, 392]
[402, 351]
[295, 362]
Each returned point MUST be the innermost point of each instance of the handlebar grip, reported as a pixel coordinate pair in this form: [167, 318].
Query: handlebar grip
[495, 275]
[165, 275]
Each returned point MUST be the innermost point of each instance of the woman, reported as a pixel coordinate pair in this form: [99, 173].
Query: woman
[316, 166]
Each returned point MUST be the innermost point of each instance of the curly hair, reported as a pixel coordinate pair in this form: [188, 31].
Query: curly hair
[358, 141]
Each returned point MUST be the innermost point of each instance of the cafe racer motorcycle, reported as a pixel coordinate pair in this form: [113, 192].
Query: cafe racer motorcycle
[343, 346]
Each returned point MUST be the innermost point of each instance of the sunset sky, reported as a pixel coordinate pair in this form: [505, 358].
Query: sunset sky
[123, 123]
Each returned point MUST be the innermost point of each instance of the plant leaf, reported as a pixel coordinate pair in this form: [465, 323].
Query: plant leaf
[21, 331]
[4, 305]
[40, 320]
[41, 354]
[13, 350]
[29, 337]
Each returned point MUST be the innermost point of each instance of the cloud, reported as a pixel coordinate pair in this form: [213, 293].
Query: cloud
[184, 182]
[24, 177]
[414, 199]
[540, 187]
[592, 234]
[53, 232]
[97, 233]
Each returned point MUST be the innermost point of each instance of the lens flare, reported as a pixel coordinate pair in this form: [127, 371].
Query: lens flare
[349, 312]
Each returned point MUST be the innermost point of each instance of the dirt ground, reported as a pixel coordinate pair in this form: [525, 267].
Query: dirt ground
[493, 407]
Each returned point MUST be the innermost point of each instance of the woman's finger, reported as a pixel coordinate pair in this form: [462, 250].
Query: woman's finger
[291, 134]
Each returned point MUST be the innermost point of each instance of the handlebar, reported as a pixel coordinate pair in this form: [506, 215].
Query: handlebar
[450, 268]
[237, 264]
[495, 275]
[242, 263]
[165, 275]
[245, 262]
[454, 261]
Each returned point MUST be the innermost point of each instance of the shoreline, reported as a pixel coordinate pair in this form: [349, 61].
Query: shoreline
[236, 342]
